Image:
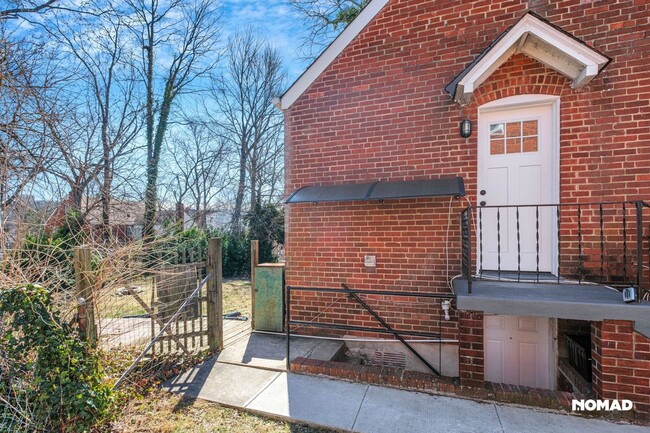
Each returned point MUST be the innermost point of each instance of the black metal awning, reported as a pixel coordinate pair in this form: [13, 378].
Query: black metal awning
[446, 187]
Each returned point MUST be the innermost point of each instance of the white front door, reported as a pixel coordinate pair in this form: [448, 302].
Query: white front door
[517, 166]
[518, 351]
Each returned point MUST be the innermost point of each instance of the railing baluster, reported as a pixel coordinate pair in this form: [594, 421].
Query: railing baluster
[518, 249]
[498, 243]
[466, 237]
[602, 245]
[480, 241]
[579, 244]
[639, 249]
[559, 243]
[537, 240]
[624, 243]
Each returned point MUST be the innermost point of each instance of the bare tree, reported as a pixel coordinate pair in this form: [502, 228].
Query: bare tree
[251, 125]
[199, 171]
[325, 19]
[108, 77]
[178, 40]
[13, 9]
[28, 101]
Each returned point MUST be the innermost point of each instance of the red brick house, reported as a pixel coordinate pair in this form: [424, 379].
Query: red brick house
[530, 220]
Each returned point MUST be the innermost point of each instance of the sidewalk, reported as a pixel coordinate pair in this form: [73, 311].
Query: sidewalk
[358, 407]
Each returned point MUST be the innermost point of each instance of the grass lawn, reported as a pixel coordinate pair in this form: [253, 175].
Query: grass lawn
[237, 296]
[112, 305]
[162, 412]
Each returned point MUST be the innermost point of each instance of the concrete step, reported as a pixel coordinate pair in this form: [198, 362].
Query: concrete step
[327, 350]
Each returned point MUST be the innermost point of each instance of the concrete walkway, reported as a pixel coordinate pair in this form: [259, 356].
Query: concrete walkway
[358, 407]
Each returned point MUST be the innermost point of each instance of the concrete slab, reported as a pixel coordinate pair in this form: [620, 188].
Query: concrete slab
[269, 350]
[564, 301]
[529, 420]
[327, 402]
[232, 385]
[386, 410]
[368, 409]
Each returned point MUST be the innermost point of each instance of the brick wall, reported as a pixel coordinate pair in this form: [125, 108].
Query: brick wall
[621, 364]
[470, 349]
[380, 112]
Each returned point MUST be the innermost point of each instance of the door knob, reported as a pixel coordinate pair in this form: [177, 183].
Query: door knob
[483, 203]
[482, 192]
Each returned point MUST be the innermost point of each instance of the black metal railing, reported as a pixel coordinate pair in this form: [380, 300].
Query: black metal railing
[356, 296]
[593, 242]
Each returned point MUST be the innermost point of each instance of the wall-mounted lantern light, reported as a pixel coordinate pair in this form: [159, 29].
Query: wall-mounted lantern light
[465, 128]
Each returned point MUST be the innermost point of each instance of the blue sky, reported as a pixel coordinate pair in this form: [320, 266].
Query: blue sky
[275, 21]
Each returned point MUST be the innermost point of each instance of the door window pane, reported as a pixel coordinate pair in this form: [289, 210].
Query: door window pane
[514, 137]
[497, 135]
[513, 145]
[513, 129]
[529, 128]
[496, 146]
[530, 144]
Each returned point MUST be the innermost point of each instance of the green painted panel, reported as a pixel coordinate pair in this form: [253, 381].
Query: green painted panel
[269, 298]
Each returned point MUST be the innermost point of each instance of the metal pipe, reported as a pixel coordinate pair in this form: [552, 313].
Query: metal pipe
[377, 292]
[288, 326]
[365, 340]
[563, 204]
[362, 329]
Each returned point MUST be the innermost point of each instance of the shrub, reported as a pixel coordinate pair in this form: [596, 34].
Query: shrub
[50, 378]
[266, 224]
[48, 259]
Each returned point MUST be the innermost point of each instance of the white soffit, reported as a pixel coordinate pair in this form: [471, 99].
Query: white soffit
[330, 54]
[541, 41]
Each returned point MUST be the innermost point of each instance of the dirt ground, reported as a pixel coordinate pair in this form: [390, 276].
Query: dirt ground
[162, 412]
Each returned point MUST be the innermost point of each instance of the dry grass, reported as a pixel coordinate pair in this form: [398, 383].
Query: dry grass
[163, 412]
[113, 304]
[237, 296]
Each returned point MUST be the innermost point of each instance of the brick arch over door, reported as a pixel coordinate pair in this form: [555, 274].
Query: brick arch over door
[521, 75]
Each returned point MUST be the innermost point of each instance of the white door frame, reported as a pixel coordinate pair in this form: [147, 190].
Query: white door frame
[527, 101]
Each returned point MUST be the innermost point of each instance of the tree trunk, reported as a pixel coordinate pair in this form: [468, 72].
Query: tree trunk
[253, 184]
[106, 185]
[236, 223]
[150, 195]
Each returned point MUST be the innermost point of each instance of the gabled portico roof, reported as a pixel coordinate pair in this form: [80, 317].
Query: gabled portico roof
[540, 40]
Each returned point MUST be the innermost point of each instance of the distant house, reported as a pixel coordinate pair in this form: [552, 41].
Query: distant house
[213, 218]
[22, 216]
[126, 218]
[491, 154]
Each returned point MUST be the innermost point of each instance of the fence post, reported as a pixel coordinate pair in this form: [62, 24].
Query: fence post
[255, 260]
[84, 288]
[215, 303]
